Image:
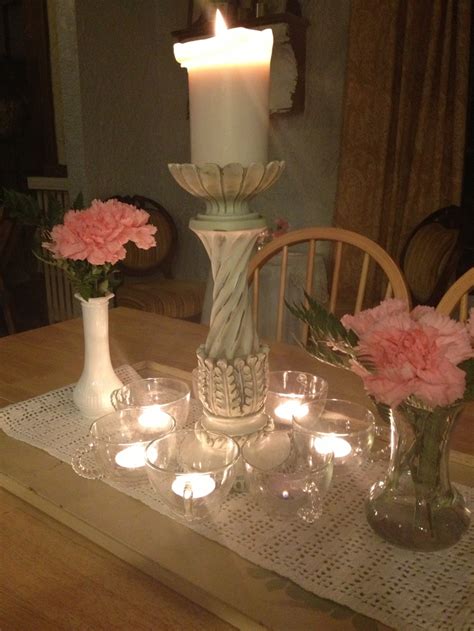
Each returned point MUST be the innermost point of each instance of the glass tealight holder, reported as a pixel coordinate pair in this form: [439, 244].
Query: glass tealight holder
[345, 428]
[289, 392]
[169, 395]
[117, 442]
[286, 475]
[192, 471]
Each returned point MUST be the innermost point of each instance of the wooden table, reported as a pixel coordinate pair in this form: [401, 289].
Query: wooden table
[77, 554]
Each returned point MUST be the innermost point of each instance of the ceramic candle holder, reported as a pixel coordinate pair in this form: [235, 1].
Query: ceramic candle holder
[343, 427]
[192, 471]
[289, 393]
[285, 473]
[170, 396]
[117, 442]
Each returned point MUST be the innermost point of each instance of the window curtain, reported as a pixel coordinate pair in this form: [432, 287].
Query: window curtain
[402, 145]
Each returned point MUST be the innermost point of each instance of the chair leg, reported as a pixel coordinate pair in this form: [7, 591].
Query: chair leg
[5, 303]
[7, 312]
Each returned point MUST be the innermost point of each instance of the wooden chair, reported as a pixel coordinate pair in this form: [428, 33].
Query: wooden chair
[431, 254]
[59, 293]
[457, 296]
[340, 240]
[148, 283]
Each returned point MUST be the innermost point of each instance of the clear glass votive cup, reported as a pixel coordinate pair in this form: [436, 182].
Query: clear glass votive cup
[117, 442]
[289, 392]
[343, 427]
[169, 395]
[285, 474]
[192, 471]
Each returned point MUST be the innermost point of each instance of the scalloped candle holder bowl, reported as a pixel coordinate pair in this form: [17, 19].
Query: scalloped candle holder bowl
[289, 392]
[117, 442]
[170, 396]
[285, 473]
[192, 471]
[344, 427]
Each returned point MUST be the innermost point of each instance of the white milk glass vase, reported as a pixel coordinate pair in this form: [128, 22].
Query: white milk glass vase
[98, 379]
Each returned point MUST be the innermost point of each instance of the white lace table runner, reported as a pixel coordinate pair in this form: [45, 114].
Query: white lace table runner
[338, 557]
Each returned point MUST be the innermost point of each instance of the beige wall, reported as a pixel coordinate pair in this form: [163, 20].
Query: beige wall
[125, 109]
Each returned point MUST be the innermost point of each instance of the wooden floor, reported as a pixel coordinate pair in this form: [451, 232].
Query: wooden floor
[57, 571]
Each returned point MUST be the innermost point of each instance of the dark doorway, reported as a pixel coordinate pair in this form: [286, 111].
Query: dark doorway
[27, 132]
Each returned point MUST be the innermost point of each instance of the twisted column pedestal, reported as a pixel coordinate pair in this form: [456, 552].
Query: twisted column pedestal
[232, 365]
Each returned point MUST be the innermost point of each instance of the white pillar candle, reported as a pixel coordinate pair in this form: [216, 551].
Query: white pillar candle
[194, 485]
[229, 78]
[331, 442]
[131, 457]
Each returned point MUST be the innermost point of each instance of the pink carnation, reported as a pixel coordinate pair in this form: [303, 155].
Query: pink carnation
[364, 321]
[410, 358]
[99, 233]
[453, 337]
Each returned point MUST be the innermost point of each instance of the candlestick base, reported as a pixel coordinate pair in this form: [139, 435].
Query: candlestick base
[239, 427]
[233, 392]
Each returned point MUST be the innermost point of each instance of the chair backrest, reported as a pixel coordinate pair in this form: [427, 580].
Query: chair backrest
[59, 293]
[431, 254]
[457, 296]
[339, 239]
[47, 187]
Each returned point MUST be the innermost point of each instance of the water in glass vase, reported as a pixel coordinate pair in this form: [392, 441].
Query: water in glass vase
[416, 506]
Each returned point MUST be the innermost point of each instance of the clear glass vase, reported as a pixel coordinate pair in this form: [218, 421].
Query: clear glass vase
[416, 506]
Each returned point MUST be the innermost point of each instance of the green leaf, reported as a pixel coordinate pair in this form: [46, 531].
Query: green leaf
[23, 208]
[323, 324]
[329, 341]
[103, 287]
[78, 203]
[54, 213]
[115, 279]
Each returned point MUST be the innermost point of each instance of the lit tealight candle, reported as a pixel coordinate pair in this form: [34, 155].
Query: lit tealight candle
[131, 457]
[292, 408]
[193, 485]
[229, 78]
[331, 442]
[153, 416]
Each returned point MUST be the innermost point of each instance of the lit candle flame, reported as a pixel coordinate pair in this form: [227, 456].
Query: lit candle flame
[220, 25]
